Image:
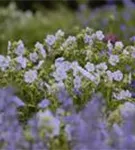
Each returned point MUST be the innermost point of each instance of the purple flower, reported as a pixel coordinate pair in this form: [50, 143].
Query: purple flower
[44, 103]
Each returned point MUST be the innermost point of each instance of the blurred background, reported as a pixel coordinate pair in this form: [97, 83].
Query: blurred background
[32, 20]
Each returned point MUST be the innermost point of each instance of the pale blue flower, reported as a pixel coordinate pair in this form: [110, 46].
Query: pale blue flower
[100, 36]
[50, 40]
[90, 67]
[22, 61]
[4, 62]
[20, 48]
[113, 59]
[39, 46]
[47, 120]
[69, 41]
[117, 75]
[88, 39]
[33, 56]
[30, 76]
[44, 103]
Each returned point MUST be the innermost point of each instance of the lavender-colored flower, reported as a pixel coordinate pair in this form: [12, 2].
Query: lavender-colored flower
[132, 39]
[4, 62]
[44, 103]
[87, 129]
[30, 76]
[102, 67]
[113, 59]
[20, 48]
[47, 120]
[69, 41]
[40, 47]
[22, 61]
[33, 57]
[124, 94]
[100, 36]
[117, 75]
[50, 40]
[90, 67]
[88, 39]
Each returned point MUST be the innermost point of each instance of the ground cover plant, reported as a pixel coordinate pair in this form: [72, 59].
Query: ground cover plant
[72, 92]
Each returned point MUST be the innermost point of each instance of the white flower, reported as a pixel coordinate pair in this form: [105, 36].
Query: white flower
[33, 57]
[48, 121]
[124, 94]
[118, 45]
[20, 48]
[22, 61]
[117, 75]
[100, 36]
[41, 49]
[50, 40]
[59, 34]
[113, 60]
[90, 67]
[109, 45]
[4, 62]
[30, 76]
[125, 52]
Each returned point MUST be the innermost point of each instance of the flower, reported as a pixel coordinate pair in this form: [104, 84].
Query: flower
[69, 41]
[109, 45]
[113, 59]
[22, 61]
[39, 46]
[30, 76]
[4, 62]
[47, 120]
[119, 45]
[59, 34]
[90, 67]
[20, 48]
[33, 56]
[88, 39]
[44, 103]
[117, 75]
[50, 40]
[100, 36]
[124, 94]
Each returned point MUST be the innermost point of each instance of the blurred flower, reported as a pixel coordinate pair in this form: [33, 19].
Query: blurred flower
[90, 67]
[4, 62]
[40, 47]
[20, 48]
[119, 45]
[113, 59]
[30, 76]
[22, 61]
[44, 103]
[50, 40]
[33, 57]
[117, 75]
[100, 36]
